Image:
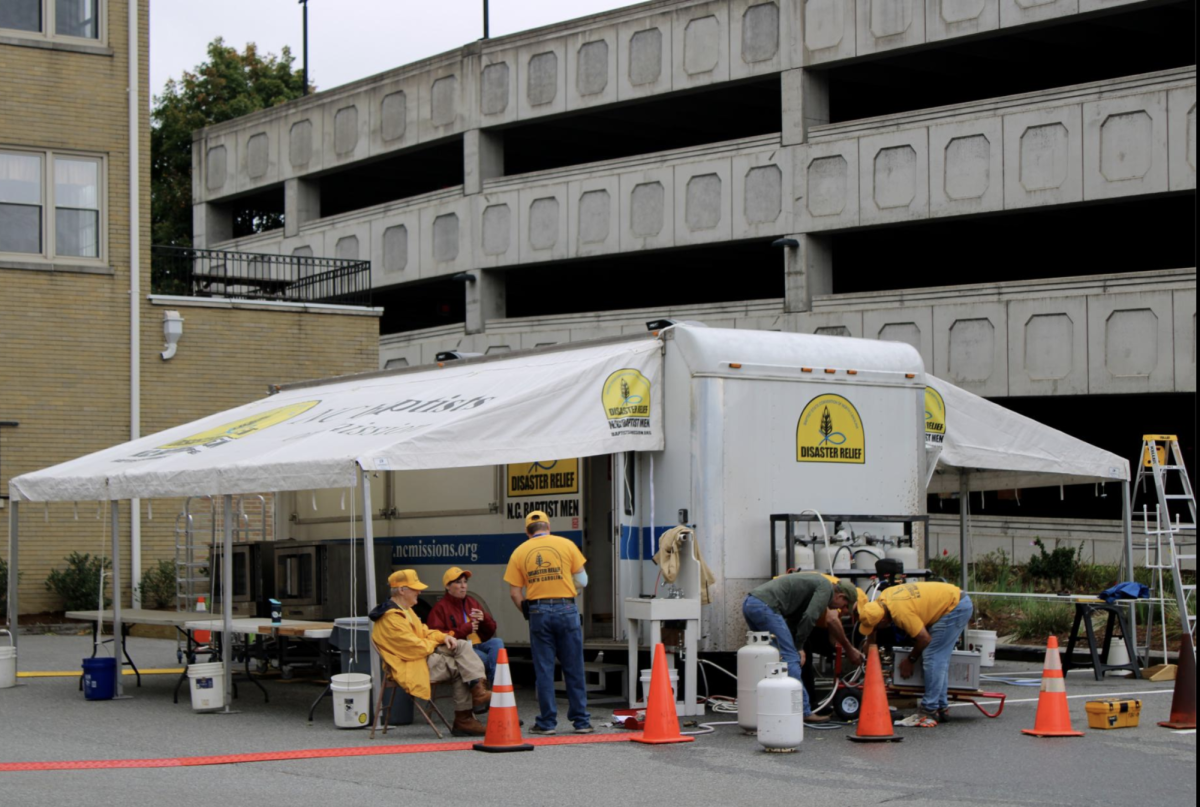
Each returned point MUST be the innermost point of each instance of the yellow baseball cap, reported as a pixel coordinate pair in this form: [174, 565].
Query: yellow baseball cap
[406, 578]
[869, 616]
[536, 515]
[452, 574]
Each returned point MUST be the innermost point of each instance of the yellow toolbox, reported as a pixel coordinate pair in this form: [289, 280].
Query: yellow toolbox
[1114, 714]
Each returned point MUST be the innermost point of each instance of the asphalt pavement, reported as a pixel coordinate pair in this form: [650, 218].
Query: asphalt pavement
[971, 760]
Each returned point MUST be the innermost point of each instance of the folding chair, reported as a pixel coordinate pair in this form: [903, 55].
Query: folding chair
[390, 683]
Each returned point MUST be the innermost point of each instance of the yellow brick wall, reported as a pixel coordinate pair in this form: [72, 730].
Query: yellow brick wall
[226, 358]
[65, 335]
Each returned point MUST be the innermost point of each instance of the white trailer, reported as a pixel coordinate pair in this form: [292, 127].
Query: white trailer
[754, 423]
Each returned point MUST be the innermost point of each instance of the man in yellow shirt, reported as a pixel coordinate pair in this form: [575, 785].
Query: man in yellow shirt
[934, 615]
[543, 574]
[418, 656]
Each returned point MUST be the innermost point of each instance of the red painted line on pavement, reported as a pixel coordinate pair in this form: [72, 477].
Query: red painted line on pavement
[278, 756]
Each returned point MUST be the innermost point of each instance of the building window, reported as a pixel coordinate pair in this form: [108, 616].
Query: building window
[50, 205]
[52, 19]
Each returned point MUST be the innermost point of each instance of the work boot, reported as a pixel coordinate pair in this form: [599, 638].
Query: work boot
[465, 725]
[481, 697]
[816, 718]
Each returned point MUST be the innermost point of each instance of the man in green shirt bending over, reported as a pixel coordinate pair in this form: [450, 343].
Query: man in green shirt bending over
[789, 607]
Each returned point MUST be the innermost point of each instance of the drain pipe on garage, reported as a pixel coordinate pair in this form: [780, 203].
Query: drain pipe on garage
[135, 294]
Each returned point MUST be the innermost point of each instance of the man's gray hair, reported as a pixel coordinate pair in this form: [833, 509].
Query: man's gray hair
[396, 591]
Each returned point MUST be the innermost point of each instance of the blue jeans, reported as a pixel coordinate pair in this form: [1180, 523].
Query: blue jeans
[935, 660]
[488, 651]
[555, 631]
[760, 617]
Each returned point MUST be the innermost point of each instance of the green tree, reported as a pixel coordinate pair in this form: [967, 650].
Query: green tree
[230, 84]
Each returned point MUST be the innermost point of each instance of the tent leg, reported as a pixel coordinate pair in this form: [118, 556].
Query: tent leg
[964, 523]
[372, 585]
[227, 603]
[118, 634]
[13, 524]
[1127, 533]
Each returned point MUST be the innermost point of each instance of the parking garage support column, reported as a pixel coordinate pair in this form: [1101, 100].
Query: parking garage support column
[805, 103]
[485, 299]
[211, 224]
[808, 271]
[301, 204]
[483, 158]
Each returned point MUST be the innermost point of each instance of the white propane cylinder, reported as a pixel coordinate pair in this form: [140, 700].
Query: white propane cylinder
[906, 555]
[865, 558]
[780, 710]
[840, 553]
[802, 555]
[753, 661]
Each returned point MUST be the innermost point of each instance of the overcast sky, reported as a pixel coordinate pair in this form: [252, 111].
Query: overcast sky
[347, 39]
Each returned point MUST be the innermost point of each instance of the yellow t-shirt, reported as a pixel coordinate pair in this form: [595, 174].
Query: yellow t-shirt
[543, 566]
[915, 606]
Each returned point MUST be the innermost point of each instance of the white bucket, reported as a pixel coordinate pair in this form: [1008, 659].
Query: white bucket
[646, 684]
[207, 682]
[8, 664]
[983, 642]
[351, 700]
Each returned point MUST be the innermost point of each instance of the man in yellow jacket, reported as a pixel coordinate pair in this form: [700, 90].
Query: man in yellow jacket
[418, 657]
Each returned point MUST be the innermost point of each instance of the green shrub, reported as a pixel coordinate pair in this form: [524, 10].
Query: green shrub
[157, 589]
[1092, 578]
[994, 567]
[1040, 619]
[79, 584]
[948, 567]
[1057, 568]
[4, 588]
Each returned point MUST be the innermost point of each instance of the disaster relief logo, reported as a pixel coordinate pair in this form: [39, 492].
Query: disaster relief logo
[935, 418]
[227, 433]
[830, 430]
[552, 478]
[626, 399]
[543, 565]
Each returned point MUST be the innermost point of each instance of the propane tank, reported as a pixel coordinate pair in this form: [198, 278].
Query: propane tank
[780, 710]
[837, 556]
[906, 555]
[753, 660]
[803, 556]
[865, 557]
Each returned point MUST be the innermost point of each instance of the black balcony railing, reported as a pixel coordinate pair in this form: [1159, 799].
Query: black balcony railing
[253, 276]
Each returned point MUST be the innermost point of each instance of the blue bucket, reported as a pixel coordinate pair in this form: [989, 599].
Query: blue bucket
[99, 678]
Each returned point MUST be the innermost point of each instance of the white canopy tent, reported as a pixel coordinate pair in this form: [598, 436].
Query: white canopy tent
[988, 447]
[573, 401]
[604, 398]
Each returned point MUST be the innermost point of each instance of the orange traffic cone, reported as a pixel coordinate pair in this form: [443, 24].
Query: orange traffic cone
[662, 722]
[1053, 715]
[1183, 702]
[874, 717]
[201, 636]
[503, 725]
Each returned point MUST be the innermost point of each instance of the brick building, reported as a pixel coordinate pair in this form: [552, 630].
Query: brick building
[70, 383]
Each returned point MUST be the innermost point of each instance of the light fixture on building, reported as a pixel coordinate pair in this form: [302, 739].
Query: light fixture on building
[464, 277]
[172, 330]
[785, 243]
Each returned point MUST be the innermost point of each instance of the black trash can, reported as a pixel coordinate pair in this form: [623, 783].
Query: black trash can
[349, 631]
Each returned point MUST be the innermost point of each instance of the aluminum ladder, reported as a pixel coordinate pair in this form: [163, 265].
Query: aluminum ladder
[1160, 459]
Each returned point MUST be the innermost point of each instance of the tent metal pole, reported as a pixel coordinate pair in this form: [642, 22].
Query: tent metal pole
[964, 522]
[1127, 533]
[118, 633]
[372, 585]
[13, 524]
[227, 603]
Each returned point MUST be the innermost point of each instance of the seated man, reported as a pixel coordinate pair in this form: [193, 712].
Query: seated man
[789, 607]
[463, 617]
[418, 656]
[934, 615]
